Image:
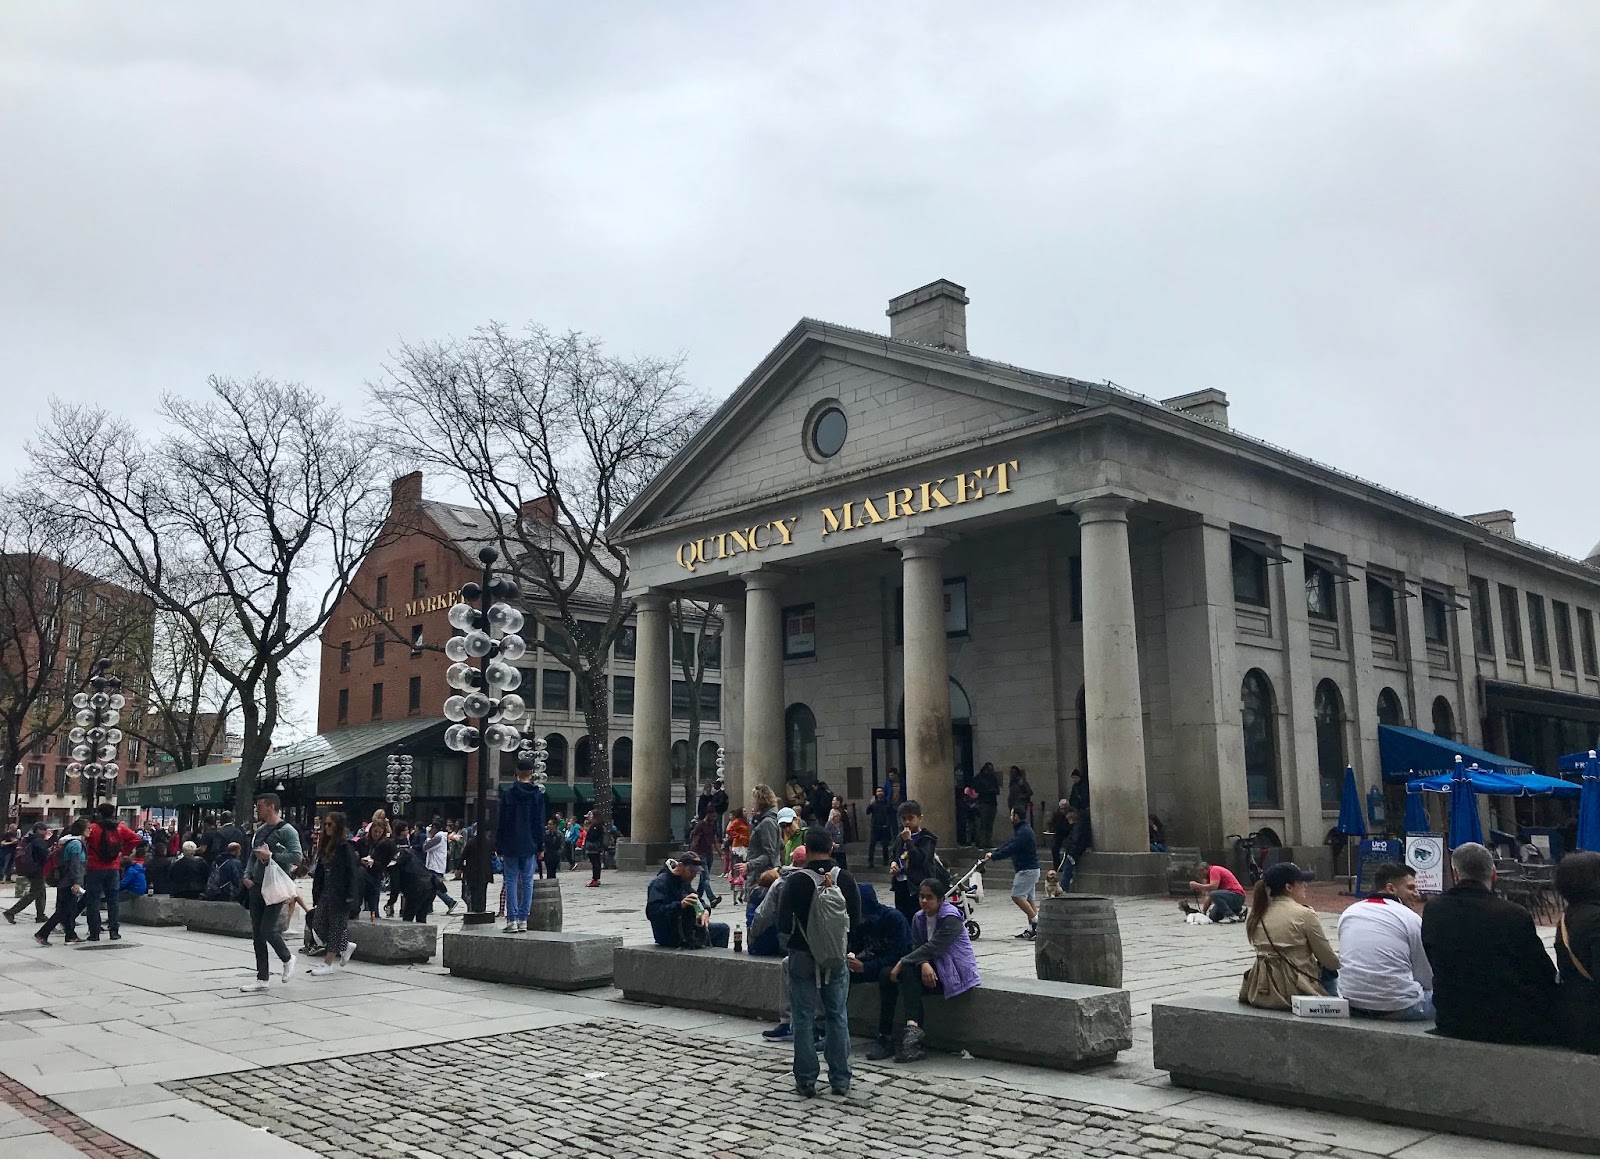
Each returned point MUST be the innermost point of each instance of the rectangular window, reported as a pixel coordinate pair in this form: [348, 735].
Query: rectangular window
[1564, 653]
[711, 650]
[378, 647]
[680, 700]
[344, 706]
[1321, 595]
[1511, 623]
[557, 695]
[626, 643]
[35, 779]
[1538, 633]
[1075, 588]
[1482, 616]
[135, 746]
[955, 607]
[74, 637]
[711, 703]
[419, 581]
[416, 639]
[1249, 575]
[556, 560]
[344, 656]
[1435, 619]
[1380, 607]
[682, 645]
[799, 631]
[582, 695]
[382, 599]
[1591, 663]
[622, 695]
[61, 781]
[377, 702]
[414, 696]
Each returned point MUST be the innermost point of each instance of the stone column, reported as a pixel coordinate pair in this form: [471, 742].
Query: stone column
[1117, 794]
[763, 759]
[651, 835]
[733, 706]
[930, 759]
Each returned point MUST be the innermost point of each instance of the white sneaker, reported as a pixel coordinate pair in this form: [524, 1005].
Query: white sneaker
[347, 953]
[511, 928]
[323, 969]
[522, 927]
[288, 967]
[254, 986]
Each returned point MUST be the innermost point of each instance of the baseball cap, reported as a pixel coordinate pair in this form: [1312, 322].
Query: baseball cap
[1286, 873]
[785, 815]
[690, 858]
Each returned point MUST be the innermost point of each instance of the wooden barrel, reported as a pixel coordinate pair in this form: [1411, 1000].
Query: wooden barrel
[1078, 941]
[545, 912]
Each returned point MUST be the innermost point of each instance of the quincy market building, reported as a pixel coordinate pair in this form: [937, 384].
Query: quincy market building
[944, 560]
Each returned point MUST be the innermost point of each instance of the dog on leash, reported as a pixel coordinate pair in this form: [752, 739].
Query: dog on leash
[1052, 885]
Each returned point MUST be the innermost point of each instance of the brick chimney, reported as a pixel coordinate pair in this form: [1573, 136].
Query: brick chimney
[935, 315]
[1210, 405]
[543, 509]
[406, 492]
[1500, 522]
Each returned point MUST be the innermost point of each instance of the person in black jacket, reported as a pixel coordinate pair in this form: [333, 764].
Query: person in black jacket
[37, 848]
[987, 785]
[880, 825]
[335, 892]
[555, 842]
[677, 910]
[881, 940]
[189, 873]
[915, 859]
[1492, 979]
[1578, 950]
[1079, 839]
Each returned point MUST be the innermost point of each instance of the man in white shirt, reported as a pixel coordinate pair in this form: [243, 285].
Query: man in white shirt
[436, 854]
[1383, 970]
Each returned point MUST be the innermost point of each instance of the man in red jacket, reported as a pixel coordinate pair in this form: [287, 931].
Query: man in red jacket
[108, 840]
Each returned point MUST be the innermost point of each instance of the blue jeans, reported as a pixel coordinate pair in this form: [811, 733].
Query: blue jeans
[804, 987]
[97, 884]
[1422, 1011]
[440, 892]
[519, 886]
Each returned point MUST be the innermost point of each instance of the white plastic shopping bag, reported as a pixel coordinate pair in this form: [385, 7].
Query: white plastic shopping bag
[276, 885]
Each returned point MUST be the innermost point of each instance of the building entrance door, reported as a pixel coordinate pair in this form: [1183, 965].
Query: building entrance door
[888, 752]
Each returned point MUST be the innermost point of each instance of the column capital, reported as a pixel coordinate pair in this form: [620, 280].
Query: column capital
[921, 546]
[761, 580]
[651, 600]
[1106, 507]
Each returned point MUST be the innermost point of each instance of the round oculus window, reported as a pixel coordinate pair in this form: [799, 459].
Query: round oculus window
[828, 431]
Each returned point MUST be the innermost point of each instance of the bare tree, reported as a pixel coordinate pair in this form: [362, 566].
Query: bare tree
[702, 623]
[184, 718]
[261, 500]
[57, 617]
[551, 437]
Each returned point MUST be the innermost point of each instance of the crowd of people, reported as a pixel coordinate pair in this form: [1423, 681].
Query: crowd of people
[1468, 961]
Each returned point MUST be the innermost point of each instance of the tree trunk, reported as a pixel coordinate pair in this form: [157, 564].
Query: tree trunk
[256, 747]
[597, 720]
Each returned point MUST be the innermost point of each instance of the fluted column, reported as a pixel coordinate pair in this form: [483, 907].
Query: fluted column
[930, 758]
[763, 683]
[652, 722]
[1118, 798]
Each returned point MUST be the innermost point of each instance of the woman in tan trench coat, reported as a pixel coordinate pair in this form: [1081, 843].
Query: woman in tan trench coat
[1293, 955]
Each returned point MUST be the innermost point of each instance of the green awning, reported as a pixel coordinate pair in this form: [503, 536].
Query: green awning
[206, 785]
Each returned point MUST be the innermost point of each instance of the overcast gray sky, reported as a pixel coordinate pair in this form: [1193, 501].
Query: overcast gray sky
[1373, 225]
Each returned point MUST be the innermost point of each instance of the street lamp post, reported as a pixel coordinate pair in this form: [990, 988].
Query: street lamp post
[485, 706]
[95, 736]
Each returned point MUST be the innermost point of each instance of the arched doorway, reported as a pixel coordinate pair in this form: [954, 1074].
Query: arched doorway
[622, 759]
[1331, 759]
[556, 758]
[1258, 717]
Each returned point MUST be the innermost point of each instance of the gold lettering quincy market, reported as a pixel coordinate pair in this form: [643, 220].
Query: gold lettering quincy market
[903, 502]
[728, 544]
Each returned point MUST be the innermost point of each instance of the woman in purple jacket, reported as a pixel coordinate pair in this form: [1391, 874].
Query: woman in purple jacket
[941, 961]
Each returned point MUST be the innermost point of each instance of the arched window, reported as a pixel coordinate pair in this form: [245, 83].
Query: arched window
[1259, 718]
[622, 759]
[1083, 730]
[580, 760]
[1444, 719]
[1331, 759]
[556, 759]
[960, 706]
[680, 760]
[1389, 710]
[800, 742]
[708, 761]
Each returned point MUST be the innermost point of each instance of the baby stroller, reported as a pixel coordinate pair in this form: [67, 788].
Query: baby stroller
[965, 893]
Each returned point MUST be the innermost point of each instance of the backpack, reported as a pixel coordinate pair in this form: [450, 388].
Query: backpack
[23, 864]
[53, 869]
[828, 927]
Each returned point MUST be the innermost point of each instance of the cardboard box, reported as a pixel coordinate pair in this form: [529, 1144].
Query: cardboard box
[1313, 1006]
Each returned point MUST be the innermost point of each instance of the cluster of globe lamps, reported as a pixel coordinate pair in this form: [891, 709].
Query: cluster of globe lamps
[485, 706]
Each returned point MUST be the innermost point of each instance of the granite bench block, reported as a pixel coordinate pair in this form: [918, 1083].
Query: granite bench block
[1392, 1072]
[549, 961]
[228, 918]
[391, 943]
[714, 980]
[152, 909]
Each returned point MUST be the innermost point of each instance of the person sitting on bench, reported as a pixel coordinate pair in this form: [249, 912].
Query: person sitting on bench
[1384, 971]
[940, 962]
[881, 940]
[679, 916]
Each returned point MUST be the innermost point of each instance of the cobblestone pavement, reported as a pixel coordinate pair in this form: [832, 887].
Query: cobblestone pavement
[636, 1093]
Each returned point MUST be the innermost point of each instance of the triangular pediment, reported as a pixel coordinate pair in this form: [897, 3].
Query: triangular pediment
[898, 401]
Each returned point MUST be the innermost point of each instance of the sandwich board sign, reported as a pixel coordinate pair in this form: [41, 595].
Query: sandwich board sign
[1425, 854]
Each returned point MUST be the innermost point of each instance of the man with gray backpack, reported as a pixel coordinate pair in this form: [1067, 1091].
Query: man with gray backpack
[820, 905]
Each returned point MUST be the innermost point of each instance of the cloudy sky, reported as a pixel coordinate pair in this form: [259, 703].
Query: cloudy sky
[1373, 225]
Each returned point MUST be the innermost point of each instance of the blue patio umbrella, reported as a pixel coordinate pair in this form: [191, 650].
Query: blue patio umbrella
[1351, 822]
[1589, 805]
[1464, 824]
[1416, 814]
